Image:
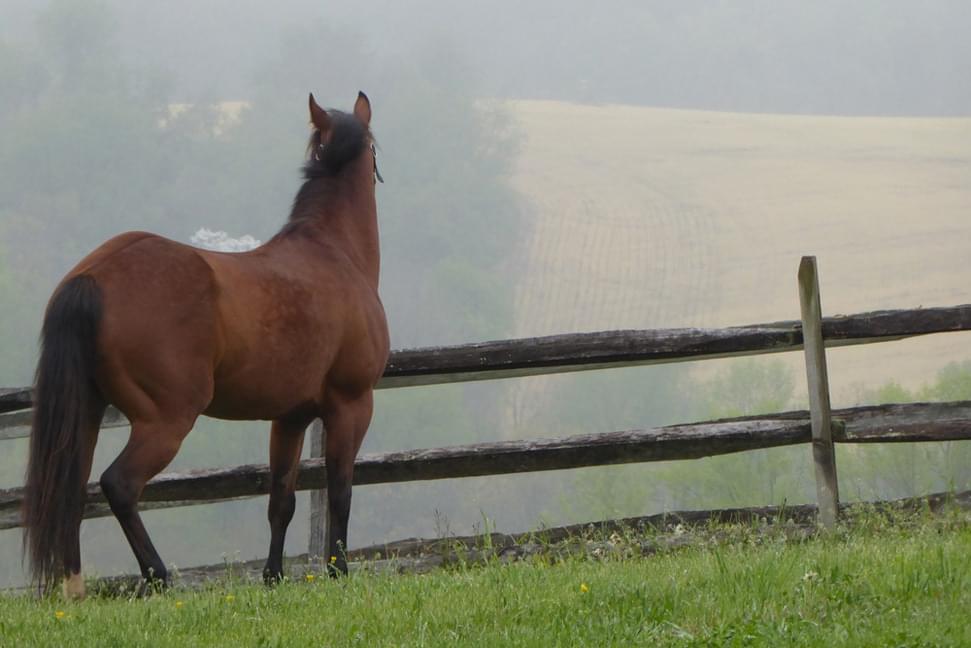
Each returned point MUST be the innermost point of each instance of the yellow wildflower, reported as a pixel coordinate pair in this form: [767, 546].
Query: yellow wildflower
[333, 559]
[310, 578]
[59, 614]
[178, 604]
[230, 598]
[584, 588]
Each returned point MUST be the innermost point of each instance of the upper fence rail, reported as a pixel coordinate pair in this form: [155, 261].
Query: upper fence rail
[587, 351]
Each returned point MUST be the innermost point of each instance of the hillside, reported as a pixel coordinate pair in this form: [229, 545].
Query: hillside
[648, 217]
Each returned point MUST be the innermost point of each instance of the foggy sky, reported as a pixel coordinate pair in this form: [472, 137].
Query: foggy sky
[890, 57]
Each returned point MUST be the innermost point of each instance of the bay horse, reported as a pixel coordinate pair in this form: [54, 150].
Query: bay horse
[288, 332]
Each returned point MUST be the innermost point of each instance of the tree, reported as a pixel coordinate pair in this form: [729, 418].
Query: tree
[740, 388]
[884, 471]
[92, 148]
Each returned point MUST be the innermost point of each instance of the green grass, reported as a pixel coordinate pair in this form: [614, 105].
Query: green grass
[873, 583]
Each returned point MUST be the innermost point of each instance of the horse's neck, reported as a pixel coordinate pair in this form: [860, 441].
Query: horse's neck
[350, 218]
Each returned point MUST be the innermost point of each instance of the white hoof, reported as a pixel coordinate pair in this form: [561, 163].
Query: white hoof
[74, 586]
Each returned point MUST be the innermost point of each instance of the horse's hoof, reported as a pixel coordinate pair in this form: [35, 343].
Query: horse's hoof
[337, 569]
[272, 577]
[73, 587]
[150, 586]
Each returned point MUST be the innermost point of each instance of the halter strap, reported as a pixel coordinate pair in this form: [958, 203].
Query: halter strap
[374, 154]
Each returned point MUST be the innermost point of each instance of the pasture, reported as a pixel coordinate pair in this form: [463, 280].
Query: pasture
[879, 579]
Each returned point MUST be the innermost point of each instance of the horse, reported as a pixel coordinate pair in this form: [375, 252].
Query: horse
[291, 331]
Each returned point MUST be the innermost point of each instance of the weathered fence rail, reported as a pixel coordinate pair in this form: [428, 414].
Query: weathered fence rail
[886, 423]
[602, 350]
[611, 349]
[587, 351]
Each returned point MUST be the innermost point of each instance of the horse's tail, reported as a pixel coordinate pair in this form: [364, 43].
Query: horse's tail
[65, 399]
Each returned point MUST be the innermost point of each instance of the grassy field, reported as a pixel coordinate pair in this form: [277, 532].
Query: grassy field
[871, 583]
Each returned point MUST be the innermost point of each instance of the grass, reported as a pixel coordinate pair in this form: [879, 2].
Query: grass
[874, 582]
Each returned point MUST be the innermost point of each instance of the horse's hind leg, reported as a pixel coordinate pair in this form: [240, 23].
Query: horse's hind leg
[150, 448]
[73, 581]
[286, 443]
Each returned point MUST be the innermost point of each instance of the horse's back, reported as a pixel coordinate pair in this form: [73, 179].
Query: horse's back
[291, 318]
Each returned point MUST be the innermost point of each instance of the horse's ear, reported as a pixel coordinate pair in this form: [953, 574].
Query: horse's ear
[318, 116]
[362, 109]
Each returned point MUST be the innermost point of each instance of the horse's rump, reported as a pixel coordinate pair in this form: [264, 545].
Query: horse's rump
[159, 336]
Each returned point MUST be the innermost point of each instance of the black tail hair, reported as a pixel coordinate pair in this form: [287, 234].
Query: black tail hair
[65, 400]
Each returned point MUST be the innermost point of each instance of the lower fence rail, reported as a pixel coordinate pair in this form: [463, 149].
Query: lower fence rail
[884, 423]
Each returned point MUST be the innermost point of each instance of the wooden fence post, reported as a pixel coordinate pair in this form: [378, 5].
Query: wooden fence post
[824, 456]
[318, 498]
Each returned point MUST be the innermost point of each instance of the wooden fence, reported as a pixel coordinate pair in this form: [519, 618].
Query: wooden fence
[586, 351]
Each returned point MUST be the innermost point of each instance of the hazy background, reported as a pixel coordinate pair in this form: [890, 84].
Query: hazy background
[550, 167]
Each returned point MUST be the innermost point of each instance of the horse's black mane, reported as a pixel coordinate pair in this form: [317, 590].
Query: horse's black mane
[348, 138]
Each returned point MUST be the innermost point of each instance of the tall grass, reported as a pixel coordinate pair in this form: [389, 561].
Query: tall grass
[872, 583]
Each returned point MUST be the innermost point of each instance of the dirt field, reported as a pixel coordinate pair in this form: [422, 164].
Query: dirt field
[649, 217]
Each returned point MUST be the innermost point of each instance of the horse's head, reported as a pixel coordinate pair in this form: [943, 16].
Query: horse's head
[341, 142]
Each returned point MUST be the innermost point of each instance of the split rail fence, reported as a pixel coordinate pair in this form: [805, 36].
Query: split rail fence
[820, 426]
